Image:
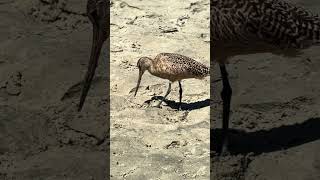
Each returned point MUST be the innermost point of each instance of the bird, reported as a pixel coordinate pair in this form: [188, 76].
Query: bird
[98, 12]
[173, 67]
[241, 27]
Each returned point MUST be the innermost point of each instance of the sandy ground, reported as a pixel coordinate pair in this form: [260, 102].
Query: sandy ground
[149, 142]
[44, 49]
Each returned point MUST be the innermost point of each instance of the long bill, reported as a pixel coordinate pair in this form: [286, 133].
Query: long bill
[95, 52]
[99, 15]
[139, 81]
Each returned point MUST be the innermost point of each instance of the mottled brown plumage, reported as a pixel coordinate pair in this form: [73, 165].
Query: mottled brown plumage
[240, 27]
[173, 67]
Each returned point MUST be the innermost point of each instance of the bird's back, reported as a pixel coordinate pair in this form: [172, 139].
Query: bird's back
[176, 67]
[261, 25]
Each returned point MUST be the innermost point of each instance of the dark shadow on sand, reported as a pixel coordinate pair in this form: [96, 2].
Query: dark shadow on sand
[184, 106]
[266, 141]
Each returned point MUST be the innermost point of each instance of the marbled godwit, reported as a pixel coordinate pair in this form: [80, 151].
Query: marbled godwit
[98, 12]
[173, 67]
[240, 27]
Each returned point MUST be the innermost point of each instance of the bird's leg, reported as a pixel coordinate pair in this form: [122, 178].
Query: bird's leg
[226, 98]
[180, 95]
[165, 96]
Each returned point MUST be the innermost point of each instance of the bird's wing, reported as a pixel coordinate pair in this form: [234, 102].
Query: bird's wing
[284, 24]
[274, 22]
[183, 65]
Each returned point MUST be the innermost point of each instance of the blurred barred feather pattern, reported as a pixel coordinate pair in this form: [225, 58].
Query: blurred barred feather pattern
[262, 23]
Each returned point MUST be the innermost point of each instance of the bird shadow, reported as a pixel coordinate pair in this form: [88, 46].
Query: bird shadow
[265, 141]
[184, 106]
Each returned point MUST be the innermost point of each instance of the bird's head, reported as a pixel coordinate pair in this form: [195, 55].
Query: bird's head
[143, 64]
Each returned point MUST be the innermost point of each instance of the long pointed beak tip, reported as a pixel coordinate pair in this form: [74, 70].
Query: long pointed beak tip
[138, 84]
[136, 91]
[97, 44]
